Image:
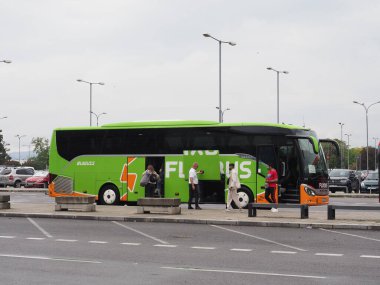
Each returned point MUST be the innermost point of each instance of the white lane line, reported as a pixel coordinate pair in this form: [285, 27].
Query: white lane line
[259, 238]
[98, 241]
[283, 252]
[203, 247]
[244, 272]
[66, 240]
[370, 256]
[48, 258]
[34, 223]
[352, 235]
[141, 233]
[35, 238]
[165, 245]
[329, 254]
[7, 236]
[130, 243]
[241, 249]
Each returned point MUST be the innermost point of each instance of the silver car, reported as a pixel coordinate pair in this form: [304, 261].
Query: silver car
[15, 176]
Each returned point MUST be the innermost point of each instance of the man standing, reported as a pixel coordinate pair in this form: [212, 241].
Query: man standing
[193, 186]
[270, 189]
[233, 186]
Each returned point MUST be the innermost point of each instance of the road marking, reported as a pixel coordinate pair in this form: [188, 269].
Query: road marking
[283, 252]
[352, 235]
[35, 238]
[7, 236]
[203, 247]
[98, 241]
[259, 238]
[165, 245]
[66, 240]
[241, 249]
[370, 256]
[329, 254]
[141, 233]
[48, 258]
[40, 228]
[130, 243]
[243, 272]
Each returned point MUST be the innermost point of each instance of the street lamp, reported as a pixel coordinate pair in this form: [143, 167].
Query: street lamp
[6, 61]
[278, 90]
[90, 83]
[220, 71]
[366, 120]
[341, 143]
[375, 139]
[348, 150]
[19, 146]
[228, 109]
[97, 117]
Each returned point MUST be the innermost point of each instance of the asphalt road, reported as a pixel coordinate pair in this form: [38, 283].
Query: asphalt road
[50, 251]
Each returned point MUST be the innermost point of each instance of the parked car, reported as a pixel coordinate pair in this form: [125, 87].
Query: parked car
[15, 176]
[40, 179]
[343, 180]
[371, 183]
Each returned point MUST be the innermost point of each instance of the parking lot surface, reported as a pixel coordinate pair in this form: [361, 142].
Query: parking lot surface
[49, 251]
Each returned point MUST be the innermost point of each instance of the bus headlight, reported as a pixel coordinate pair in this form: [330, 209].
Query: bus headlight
[309, 191]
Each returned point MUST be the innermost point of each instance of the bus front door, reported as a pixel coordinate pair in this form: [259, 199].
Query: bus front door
[266, 155]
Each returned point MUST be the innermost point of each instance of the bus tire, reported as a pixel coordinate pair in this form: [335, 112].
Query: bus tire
[245, 197]
[109, 195]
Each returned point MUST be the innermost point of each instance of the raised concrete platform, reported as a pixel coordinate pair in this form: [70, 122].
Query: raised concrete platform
[4, 201]
[170, 206]
[83, 204]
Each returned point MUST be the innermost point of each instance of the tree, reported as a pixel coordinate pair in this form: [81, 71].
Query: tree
[4, 157]
[41, 149]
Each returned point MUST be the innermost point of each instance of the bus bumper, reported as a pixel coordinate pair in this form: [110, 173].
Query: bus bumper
[308, 197]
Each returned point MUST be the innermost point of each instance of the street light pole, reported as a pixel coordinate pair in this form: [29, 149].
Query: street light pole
[278, 90]
[375, 139]
[225, 110]
[348, 150]
[366, 120]
[19, 146]
[97, 117]
[90, 83]
[220, 42]
[341, 143]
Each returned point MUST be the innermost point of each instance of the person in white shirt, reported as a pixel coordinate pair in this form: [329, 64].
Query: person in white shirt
[194, 186]
[233, 186]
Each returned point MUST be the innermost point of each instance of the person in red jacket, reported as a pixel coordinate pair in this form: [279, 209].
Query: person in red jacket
[270, 189]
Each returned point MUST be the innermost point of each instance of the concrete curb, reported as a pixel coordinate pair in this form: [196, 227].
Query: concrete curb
[197, 221]
[353, 195]
[24, 190]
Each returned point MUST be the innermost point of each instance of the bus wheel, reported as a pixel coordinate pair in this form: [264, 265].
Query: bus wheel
[109, 195]
[245, 197]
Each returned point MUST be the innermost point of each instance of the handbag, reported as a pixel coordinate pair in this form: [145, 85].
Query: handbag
[144, 179]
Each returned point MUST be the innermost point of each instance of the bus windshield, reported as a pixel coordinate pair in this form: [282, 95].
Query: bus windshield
[313, 164]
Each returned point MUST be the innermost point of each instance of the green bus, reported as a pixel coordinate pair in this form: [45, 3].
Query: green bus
[109, 161]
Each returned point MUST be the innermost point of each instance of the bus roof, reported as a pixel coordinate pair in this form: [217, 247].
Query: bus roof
[179, 124]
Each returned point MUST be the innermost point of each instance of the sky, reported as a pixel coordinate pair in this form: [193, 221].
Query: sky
[156, 65]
